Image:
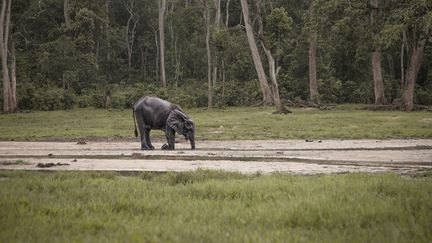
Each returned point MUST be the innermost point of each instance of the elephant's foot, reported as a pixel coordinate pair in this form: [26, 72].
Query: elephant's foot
[165, 147]
[146, 147]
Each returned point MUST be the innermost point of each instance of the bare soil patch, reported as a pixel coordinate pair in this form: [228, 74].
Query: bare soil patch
[266, 156]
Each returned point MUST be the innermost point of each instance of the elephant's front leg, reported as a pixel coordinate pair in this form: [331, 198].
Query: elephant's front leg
[170, 136]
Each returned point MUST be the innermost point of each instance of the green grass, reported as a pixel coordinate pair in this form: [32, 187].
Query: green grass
[212, 206]
[345, 122]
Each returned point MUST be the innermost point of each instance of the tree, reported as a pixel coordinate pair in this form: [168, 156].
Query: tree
[217, 4]
[376, 59]
[313, 42]
[265, 88]
[413, 21]
[9, 80]
[162, 8]
[130, 30]
[278, 26]
[206, 14]
[88, 47]
[66, 13]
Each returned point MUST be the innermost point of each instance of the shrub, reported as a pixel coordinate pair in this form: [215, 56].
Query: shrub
[330, 90]
[183, 99]
[97, 99]
[424, 96]
[52, 98]
[83, 101]
[235, 93]
[68, 100]
[25, 95]
[290, 88]
[353, 92]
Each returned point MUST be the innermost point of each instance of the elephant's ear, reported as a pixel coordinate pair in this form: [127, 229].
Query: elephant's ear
[176, 120]
[189, 124]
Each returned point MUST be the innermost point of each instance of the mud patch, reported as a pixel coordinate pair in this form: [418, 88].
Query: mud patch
[48, 165]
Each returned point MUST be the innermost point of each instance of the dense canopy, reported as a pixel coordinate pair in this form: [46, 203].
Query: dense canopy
[108, 53]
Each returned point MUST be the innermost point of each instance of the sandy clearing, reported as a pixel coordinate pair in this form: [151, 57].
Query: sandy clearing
[292, 156]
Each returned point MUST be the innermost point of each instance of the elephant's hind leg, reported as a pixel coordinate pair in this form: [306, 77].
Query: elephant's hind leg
[143, 132]
[147, 138]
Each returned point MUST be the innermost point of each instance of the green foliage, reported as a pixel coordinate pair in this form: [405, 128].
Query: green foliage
[278, 28]
[330, 90]
[213, 206]
[234, 93]
[424, 95]
[47, 98]
[353, 92]
[290, 87]
[90, 57]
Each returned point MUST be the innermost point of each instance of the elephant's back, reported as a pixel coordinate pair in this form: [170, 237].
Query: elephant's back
[154, 110]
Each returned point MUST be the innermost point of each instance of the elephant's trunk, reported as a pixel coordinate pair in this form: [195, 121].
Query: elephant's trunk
[192, 140]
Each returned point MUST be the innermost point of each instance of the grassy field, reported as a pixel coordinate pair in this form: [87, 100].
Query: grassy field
[211, 206]
[345, 122]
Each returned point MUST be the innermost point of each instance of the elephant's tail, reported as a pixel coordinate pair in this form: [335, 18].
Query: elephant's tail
[136, 131]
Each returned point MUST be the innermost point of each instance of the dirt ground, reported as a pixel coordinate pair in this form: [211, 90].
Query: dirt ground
[291, 156]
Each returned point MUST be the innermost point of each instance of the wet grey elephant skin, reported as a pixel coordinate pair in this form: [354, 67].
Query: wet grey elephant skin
[155, 113]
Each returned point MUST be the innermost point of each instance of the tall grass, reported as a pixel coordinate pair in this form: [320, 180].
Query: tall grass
[212, 206]
[346, 122]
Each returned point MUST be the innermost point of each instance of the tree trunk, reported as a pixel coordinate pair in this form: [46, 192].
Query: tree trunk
[227, 13]
[128, 44]
[12, 95]
[177, 63]
[209, 64]
[172, 39]
[402, 65]
[313, 85]
[218, 12]
[66, 13]
[157, 55]
[144, 63]
[223, 78]
[162, 7]
[3, 54]
[267, 96]
[273, 77]
[413, 67]
[8, 95]
[313, 43]
[109, 52]
[215, 56]
[130, 34]
[377, 78]
[376, 62]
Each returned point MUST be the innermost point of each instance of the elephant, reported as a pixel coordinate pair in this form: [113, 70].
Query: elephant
[155, 113]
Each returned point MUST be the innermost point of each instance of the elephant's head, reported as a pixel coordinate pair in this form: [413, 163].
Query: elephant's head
[183, 125]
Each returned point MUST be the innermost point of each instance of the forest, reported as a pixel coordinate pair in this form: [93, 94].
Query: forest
[60, 54]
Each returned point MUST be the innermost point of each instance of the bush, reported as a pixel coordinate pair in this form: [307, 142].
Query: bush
[235, 93]
[290, 88]
[25, 94]
[50, 99]
[330, 90]
[353, 92]
[68, 100]
[83, 101]
[97, 99]
[183, 99]
[424, 96]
